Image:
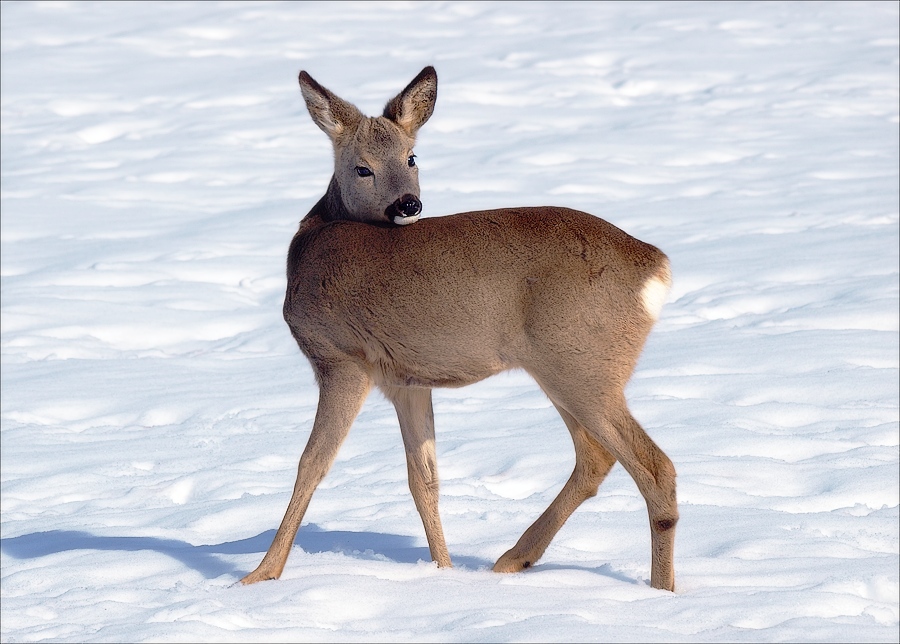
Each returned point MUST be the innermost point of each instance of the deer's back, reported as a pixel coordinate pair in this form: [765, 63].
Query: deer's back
[450, 300]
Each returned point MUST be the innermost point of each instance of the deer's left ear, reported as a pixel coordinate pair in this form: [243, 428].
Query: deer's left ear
[413, 106]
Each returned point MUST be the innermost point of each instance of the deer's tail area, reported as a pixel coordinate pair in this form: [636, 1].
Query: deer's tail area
[656, 289]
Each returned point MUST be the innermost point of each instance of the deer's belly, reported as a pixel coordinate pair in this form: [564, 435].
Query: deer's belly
[438, 363]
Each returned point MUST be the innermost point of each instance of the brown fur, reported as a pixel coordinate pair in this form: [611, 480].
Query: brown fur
[449, 301]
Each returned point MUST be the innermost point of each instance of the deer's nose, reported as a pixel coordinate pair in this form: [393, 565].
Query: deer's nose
[405, 210]
[409, 205]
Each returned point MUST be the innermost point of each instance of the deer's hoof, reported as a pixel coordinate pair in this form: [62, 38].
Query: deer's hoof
[665, 582]
[509, 563]
[257, 576]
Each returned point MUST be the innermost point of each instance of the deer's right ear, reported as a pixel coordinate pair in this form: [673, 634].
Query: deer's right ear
[332, 114]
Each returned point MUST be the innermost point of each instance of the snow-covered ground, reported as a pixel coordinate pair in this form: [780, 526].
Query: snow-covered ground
[156, 159]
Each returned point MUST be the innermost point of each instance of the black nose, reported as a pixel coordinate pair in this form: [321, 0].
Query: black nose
[409, 205]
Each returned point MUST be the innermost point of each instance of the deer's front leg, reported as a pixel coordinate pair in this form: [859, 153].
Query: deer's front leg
[342, 390]
[416, 418]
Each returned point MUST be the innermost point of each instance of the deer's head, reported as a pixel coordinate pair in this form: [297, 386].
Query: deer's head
[374, 165]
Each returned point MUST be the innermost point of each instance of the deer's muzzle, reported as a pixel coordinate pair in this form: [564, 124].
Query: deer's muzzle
[405, 210]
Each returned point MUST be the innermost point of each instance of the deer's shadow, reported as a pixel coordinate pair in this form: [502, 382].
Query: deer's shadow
[311, 538]
[205, 559]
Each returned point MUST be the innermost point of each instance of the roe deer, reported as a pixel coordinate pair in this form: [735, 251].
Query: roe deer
[449, 301]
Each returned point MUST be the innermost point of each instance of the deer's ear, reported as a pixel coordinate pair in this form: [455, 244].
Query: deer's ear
[331, 113]
[413, 106]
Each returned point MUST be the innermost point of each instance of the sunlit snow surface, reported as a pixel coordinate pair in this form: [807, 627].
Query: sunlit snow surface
[156, 159]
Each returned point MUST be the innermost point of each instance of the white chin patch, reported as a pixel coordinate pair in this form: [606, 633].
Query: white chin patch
[403, 221]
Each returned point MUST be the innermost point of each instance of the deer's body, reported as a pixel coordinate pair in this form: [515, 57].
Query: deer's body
[425, 310]
[449, 301]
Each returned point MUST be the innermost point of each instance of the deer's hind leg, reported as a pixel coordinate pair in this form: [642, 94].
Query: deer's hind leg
[416, 416]
[592, 464]
[654, 475]
[601, 409]
[589, 387]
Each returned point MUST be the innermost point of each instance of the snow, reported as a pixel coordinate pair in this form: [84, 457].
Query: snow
[156, 159]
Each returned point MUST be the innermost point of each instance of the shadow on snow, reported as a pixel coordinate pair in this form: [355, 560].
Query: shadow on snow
[206, 559]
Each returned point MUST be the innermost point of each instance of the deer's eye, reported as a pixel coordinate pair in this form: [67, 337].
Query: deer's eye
[411, 161]
[363, 171]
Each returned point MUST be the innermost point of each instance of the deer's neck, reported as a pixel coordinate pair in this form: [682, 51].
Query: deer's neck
[329, 208]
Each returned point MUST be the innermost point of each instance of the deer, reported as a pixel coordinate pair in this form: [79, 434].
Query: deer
[378, 297]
